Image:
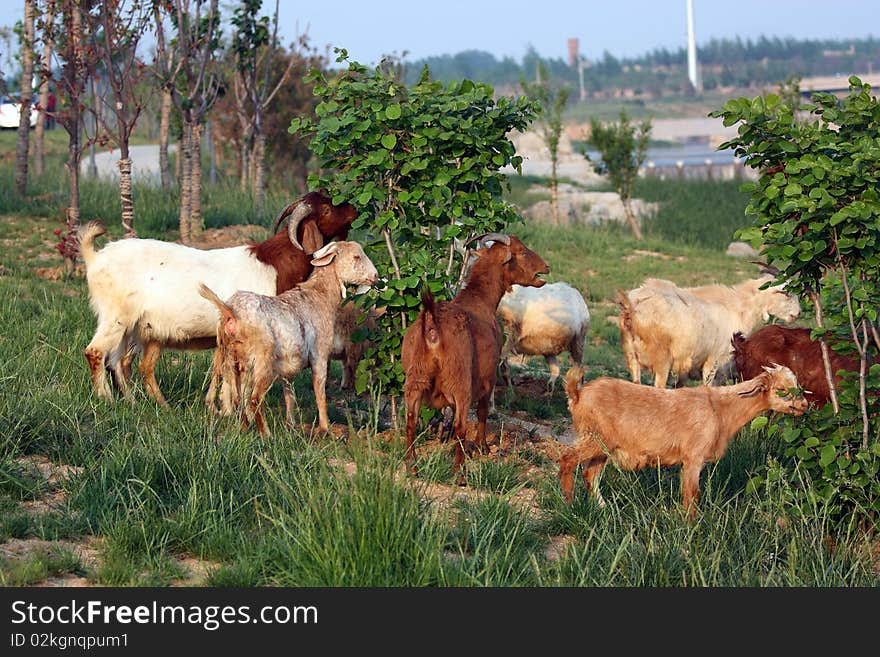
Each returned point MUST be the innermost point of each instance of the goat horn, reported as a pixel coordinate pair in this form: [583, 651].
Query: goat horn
[766, 268]
[494, 237]
[297, 211]
[284, 214]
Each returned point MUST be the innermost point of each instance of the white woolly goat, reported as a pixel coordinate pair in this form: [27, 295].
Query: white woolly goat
[673, 330]
[145, 292]
[544, 321]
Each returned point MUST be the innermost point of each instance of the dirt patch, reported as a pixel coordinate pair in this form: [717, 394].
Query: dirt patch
[220, 238]
[57, 273]
[558, 546]
[639, 253]
[86, 549]
[54, 475]
[197, 571]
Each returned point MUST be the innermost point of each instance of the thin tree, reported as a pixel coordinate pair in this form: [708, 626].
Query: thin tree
[622, 148]
[119, 27]
[77, 62]
[48, 18]
[163, 64]
[255, 51]
[552, 101]
[194, 82]
[24, 122]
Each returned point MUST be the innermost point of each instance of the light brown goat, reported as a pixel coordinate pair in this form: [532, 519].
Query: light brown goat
[450, 353]
[638, 426]
[273, 337]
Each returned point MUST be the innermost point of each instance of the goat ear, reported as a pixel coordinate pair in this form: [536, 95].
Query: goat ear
[756, 389]
[312, 239]
[508, 255]
[324, 256]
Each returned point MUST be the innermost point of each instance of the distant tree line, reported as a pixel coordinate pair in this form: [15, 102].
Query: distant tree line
[733, 62]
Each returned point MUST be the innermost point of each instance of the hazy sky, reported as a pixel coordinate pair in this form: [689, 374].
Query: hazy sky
[623, 27]
[369, 29]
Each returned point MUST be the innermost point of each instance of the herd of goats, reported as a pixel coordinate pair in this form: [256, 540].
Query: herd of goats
[273, 308]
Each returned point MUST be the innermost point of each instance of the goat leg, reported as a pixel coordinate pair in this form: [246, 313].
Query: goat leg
[690, 487]
[152, 351]
[482, 414]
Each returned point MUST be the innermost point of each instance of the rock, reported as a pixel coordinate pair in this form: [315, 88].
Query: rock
[588, 208]
[740, 250]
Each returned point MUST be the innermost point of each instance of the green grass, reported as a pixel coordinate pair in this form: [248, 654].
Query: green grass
[39, 566]
[158, 484]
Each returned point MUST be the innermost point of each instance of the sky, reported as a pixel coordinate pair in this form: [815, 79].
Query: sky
[623, 27]
[370, 29]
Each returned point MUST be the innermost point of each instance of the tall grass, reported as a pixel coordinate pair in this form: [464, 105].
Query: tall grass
[161, 483]
[702, 213]
[156, 210]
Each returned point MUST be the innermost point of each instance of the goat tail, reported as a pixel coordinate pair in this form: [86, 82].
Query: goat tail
[87, 235]
[228, 320]
[573, 383]
[626, 311]
[429, 318]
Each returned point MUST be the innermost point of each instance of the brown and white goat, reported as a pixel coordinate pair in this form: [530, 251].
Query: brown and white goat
[265, 338]
[668, 329]
[144, 291]
[793, 348]
[450, 353]
[639, 427]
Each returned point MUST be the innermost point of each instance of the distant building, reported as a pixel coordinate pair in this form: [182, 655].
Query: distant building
[574, 51]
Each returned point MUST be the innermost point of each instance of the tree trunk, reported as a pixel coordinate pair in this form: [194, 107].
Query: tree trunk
[631, 218]
[554, 193]
[125, 192]
[72, 225]
[39, 157]
[93, 165]
[195, 216]
[212, 152]
[259, 169]
[24, 123]
[164, 129]
[826, 360]
[184, 154]
[252, 164]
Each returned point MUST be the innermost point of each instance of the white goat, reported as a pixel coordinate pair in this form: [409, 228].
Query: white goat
[669, 329]
[544, 321]
[144, 291]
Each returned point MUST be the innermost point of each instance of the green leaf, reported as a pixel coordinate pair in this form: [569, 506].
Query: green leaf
[389, 141]
[759, 422]
[393, 112]
[827, 454]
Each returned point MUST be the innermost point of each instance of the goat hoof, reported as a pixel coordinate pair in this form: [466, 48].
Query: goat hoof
[461, 481]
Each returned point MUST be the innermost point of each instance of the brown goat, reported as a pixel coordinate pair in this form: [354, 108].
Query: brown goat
[350, 318]
[144, 292]
[793, 348]
[450, 353]
[638, 426]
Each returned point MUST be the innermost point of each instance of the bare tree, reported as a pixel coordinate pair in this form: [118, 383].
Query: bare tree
[77, 63]
[163, 64]
[194, 81]
[45, 76]
[255, 51]
[27, 91]
[119, 26]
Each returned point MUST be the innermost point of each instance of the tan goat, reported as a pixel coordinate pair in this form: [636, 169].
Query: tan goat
[638, 426]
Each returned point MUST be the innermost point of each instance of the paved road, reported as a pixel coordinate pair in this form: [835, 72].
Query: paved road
[144, 163]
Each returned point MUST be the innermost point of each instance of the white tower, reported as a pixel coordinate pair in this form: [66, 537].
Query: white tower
[693, 74]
